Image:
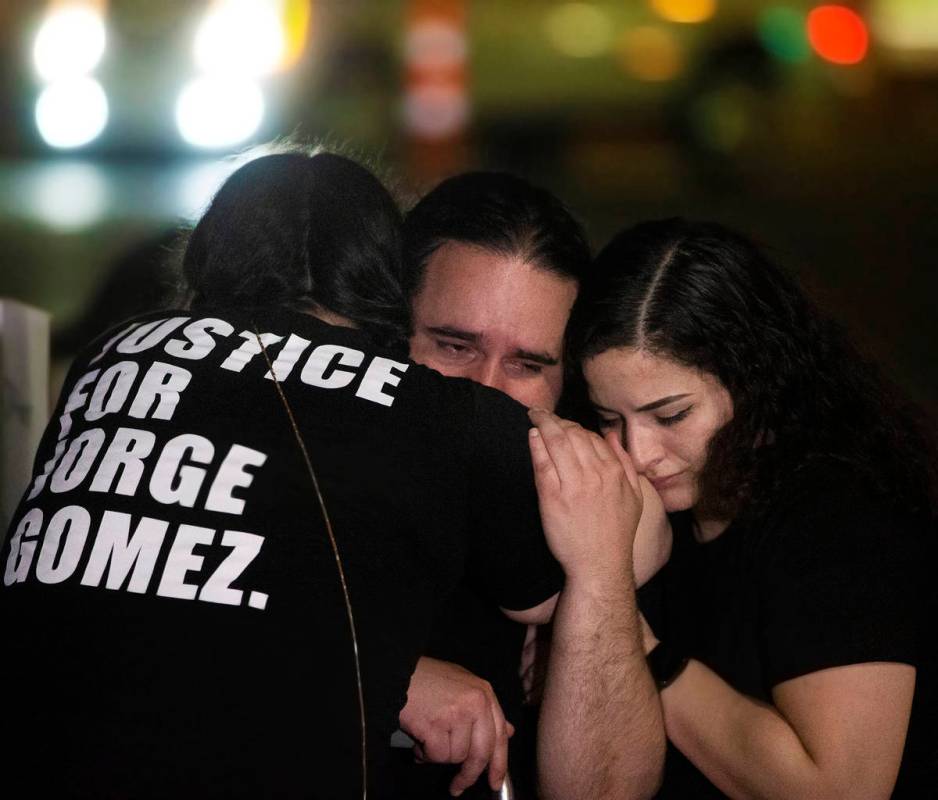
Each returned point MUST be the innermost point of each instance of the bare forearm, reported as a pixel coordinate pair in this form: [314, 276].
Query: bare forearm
[600, 732]
[745, 747]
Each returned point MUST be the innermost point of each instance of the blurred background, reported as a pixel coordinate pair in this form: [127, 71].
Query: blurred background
[813, 127]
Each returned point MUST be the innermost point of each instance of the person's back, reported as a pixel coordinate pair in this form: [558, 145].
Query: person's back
[172, 605]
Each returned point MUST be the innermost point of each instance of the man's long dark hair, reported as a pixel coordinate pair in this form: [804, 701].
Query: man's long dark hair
[708, 298]
[302, 231]
[498, 212]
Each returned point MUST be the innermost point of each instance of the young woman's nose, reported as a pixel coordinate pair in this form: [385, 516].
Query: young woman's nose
[644, 446]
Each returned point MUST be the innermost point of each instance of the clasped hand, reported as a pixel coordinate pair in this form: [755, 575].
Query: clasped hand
[590, 498]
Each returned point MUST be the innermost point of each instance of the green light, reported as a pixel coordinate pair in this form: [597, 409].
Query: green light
[782, 33]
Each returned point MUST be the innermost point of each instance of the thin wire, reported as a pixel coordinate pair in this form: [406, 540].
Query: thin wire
[335, 552]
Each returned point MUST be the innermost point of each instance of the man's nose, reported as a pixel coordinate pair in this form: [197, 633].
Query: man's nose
[488, 372]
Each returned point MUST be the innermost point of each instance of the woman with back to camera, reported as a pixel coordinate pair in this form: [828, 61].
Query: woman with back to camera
[177, 605]
[792, 631]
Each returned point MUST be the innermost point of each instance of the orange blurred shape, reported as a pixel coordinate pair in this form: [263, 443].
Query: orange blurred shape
[651, 53]
[838, 34]
[686, 11]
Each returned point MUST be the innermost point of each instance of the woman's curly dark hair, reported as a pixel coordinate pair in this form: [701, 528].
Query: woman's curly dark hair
[708, 298]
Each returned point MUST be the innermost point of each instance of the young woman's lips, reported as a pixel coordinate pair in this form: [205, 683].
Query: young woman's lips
[665, 482]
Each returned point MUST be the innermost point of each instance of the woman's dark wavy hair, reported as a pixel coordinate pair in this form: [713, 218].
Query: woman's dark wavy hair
[708, 298]
[303, 231]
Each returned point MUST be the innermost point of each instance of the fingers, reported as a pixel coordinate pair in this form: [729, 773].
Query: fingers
[487, 745]
[601, 449]
[555, 439]
[570, 449]
[498, 765]
[436, 747]
[615, 444]
[460, 741]
[481, 748]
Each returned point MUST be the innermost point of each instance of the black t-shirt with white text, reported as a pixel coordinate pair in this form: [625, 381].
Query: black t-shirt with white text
[172, 610]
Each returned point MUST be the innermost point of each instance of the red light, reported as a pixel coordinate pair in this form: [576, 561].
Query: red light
[838, 34]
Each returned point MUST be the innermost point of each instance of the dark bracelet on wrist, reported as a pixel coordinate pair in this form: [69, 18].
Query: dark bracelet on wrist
[665, 664]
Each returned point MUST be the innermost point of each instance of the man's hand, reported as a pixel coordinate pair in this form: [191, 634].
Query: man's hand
[652, 547]
[455, 718]
[589, 497]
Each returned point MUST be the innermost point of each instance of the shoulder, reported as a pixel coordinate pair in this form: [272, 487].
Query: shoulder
[828, 510]
[479, 409]
[829, 488]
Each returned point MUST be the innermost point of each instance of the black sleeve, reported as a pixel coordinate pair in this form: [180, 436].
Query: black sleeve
[509, 557]
[842, 584]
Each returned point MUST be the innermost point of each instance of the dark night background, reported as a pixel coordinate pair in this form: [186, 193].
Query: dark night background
[620, 107]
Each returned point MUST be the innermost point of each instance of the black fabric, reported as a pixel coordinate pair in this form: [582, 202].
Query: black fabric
[829, 576]
[471, 632]
[216, 661]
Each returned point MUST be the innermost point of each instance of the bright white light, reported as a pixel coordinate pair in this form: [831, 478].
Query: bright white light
[71, 113]
[70, 43]
[69, 196]
[219, 112]
[198, 185]
[241, 37]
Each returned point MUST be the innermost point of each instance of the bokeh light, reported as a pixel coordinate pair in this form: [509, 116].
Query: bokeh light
[436, 111]
[241, 37]
[435, 44]
[198, 184]
[685, 11]
[908, 25]
[68, 196]
[219, 112]
[782, 32]
[435, 103]
[651, 53]
[71, 113]
[579, 30]
[838, 34]
[297, 16]
[69, 43]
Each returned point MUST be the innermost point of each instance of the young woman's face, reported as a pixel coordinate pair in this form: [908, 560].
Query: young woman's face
[666, 414]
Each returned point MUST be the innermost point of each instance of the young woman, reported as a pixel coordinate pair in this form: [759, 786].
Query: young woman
[791, 632]
[245, 512]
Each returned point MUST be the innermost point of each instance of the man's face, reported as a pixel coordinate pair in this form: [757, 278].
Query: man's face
[495, 319]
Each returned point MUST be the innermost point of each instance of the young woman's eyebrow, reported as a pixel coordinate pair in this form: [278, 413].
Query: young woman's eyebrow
[662, 402]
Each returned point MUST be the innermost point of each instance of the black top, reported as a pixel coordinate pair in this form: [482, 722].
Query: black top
[829, 576]
[471, 632]
[173, 619]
